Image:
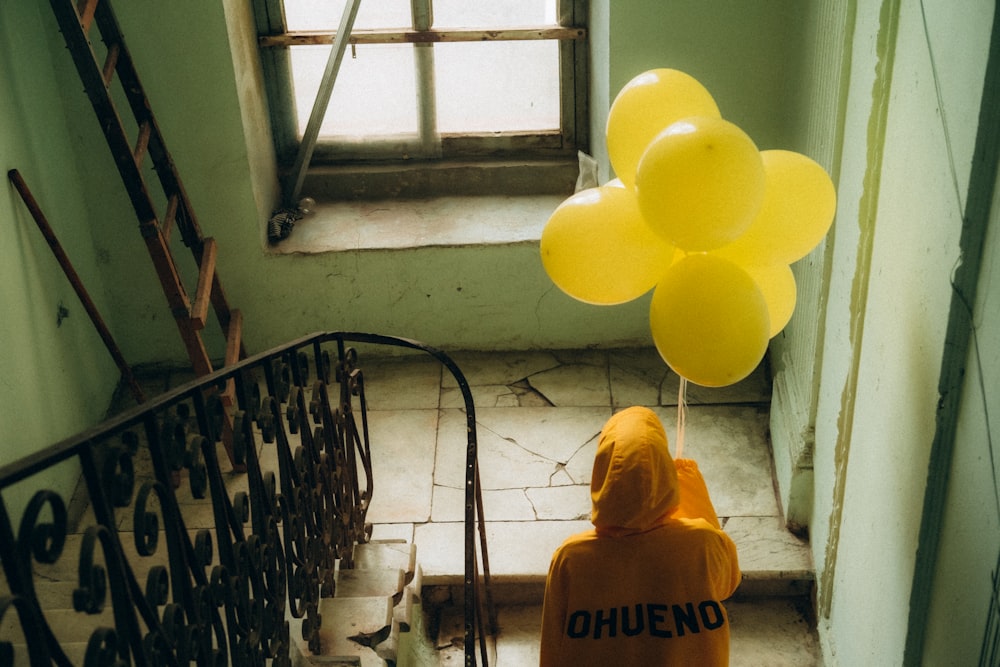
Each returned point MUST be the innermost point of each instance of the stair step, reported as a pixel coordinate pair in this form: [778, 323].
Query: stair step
[393, 554]
[352, 628]
[773, 561]
[368, 583]
[777, 632]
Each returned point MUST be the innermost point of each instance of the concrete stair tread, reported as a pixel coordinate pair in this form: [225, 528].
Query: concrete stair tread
[383, 582]
[351, 629]
[777, 632]
[381, 554]
[357, 583]
[772, 559]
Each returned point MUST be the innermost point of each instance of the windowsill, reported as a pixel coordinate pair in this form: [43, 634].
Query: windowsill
[397, 224]
[414, 205]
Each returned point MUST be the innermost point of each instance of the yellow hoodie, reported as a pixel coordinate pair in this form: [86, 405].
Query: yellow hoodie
[646, 585]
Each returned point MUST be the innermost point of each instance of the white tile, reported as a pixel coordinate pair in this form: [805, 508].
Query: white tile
[498, 505]
[766, 547]
[580, 467]
[731, 447]
[518, 640]
[574, 385]
[495, 396]
[523, 550]
[499, 368]
[517, 549]
[517, 447]
[403, 446]
[641, 377]
[561, 502]
[399, 383]
[392, 531]
[503, 464]
[771, 633]
[440, 550]
[638, 378]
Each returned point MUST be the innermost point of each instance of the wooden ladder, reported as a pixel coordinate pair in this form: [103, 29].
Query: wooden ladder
[76, 18]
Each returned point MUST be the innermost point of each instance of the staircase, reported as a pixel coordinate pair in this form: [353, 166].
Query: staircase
[164, 557]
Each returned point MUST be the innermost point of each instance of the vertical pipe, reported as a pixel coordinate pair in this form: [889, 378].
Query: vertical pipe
[298, 173]
[423, 60]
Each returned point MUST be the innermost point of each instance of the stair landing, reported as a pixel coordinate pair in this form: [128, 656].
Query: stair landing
[539, 415]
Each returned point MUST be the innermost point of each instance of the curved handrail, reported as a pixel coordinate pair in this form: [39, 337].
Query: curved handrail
[176, 443]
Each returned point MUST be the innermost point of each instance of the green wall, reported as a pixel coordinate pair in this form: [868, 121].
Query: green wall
[56, 377]
[969, 535]
[204, 89]
[903, 176]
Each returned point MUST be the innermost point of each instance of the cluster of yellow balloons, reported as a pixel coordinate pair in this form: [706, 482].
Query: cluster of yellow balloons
[701, 215]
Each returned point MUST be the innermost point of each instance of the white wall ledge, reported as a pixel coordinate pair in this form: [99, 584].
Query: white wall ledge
[416, 223]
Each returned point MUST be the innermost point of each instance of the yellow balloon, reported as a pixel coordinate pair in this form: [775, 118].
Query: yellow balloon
[646, 106]
[709, 320]
[700, 183]
[777, 284]
[796, 213]
[597, 248]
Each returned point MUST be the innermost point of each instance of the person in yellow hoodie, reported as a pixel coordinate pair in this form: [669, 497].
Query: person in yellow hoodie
[646, 585]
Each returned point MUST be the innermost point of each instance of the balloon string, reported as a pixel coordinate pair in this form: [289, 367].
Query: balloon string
[681, 417]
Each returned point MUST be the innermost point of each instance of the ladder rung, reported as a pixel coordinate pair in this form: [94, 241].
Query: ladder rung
[171, 217]
[142, 144]
[203, 292]
[86, 9]
[110, 62]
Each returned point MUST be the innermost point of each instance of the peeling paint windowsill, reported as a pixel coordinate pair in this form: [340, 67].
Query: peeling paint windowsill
[433, 222]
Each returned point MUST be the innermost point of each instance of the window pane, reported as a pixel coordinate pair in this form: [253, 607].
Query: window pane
[374, 93]
[326, 14]
[495, 14]
[497, 86]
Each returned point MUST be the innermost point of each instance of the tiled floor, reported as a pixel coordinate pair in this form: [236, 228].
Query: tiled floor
[538, 416]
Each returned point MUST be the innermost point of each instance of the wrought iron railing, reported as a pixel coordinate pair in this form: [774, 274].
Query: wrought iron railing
[222, 595]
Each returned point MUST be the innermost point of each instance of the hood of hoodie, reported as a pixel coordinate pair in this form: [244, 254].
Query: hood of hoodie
[634, 482]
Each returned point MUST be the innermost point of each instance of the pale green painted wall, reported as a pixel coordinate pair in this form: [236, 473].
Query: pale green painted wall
[745, 53]
[55, 379]
[449, 297]
[970, 533]
[895, 245]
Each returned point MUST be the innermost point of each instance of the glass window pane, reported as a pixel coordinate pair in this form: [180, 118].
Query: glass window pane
[326, 14]
[374, 93]
[497, 86]
[496, 13]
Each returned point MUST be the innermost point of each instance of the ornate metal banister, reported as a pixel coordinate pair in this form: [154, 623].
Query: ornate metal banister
[225, 594]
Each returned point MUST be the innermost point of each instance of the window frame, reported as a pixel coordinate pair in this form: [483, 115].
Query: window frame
[274, 42]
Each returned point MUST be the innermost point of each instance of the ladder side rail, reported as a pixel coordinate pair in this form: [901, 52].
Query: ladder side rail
[100, 98]
[142, 111]
[99, 95]
[184, 217]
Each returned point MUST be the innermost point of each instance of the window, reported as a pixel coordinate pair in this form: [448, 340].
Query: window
[429, 81]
